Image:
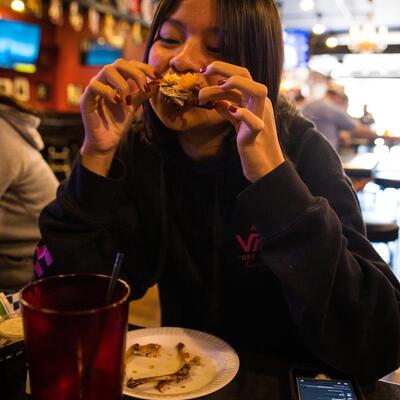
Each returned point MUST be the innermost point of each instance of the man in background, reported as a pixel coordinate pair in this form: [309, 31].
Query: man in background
[331, 119]
[27, 184]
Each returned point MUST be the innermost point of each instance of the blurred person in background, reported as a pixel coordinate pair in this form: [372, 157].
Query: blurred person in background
[345, 137]
[27, 184]
[299, 100]
[331, 119]
[295, 96]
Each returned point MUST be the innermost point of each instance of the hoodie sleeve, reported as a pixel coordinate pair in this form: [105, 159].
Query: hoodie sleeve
[88, 223]
[343, 298]
[77, 226]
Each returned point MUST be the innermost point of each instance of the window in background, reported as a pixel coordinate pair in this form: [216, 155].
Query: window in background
[382, 97]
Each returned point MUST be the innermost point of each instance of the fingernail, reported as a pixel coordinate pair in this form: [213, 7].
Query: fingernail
[157, 74]
[221, 82]
[146, 88]
[232, 108]
[128, 100]
[117, 98]
[202, 70]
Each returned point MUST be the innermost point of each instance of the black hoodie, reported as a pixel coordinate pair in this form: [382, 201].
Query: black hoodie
[280, 267]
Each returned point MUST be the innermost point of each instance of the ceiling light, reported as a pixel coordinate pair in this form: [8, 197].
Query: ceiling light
[307, 5]
[319, 29]
[18, 5]
[368, 38]
[331, 42]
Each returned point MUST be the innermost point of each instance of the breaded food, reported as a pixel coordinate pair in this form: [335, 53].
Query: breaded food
[181, 90]
[150, 350]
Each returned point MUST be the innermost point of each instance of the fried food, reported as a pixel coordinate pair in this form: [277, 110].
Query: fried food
[150, 350]
[181, 90]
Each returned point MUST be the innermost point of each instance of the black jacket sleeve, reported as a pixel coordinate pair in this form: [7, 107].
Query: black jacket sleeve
[342, 296]
[88, 224]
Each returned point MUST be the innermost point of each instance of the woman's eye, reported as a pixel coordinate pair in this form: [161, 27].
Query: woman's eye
[168, 41]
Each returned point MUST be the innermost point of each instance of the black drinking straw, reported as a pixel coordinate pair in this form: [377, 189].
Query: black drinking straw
[95, 344]
[114, 277]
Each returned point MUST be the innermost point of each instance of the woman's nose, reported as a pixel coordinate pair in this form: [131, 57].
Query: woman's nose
[188, 58]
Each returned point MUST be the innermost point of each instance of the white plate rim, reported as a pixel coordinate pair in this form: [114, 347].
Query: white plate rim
[230, 362]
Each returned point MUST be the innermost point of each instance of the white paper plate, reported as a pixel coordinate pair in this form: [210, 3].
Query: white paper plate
[219, 363]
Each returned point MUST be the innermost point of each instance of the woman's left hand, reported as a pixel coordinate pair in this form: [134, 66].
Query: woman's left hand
[245, 104]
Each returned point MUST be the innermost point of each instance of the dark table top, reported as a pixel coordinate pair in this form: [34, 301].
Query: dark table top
[266, 378]
[370, 165]
[361, 166]
[387, 179]
[259, 378]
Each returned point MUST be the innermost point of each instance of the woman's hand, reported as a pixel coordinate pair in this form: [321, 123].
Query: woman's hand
[108, 107]
[244, 103]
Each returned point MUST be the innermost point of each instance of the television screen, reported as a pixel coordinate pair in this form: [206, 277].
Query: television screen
[296, 48]
[19, 44]
[98, 55]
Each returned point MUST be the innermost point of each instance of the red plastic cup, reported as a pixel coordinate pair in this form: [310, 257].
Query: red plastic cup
[75, 343]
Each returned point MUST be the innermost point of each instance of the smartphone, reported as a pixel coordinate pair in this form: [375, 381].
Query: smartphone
[309, 384]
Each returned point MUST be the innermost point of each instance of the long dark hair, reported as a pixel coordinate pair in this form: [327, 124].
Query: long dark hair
[250, 36]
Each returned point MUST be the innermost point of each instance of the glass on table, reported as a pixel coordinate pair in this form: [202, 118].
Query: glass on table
[75, 342]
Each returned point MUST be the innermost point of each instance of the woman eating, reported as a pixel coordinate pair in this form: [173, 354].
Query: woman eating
[234, 204]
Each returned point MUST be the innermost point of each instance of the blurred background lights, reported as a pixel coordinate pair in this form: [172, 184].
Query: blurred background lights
[331, 42]
[18, 5]
[307, 5]
[318, 29]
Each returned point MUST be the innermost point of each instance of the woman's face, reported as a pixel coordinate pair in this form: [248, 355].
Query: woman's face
[186, 42]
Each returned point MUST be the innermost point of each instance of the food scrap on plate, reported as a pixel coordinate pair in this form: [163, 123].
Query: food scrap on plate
[162, 382]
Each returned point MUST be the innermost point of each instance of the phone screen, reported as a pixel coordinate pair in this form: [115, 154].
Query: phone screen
[324, 389]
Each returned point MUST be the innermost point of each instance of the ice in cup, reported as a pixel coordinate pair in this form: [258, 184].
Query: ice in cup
[75, 343]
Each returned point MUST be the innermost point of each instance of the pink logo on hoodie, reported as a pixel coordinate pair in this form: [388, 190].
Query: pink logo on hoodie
[250, 247]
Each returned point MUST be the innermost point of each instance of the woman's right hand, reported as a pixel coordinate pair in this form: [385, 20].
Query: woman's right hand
[108, 106]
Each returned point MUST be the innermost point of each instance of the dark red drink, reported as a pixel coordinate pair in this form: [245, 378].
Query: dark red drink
[75, 344]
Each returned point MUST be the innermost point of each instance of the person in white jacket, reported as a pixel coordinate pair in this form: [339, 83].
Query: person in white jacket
[27, 184]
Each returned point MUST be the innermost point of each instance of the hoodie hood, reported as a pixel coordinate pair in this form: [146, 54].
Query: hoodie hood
[24, 123]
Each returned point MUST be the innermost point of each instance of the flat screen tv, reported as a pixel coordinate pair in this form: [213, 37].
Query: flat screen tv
[296, 48]
[19, 45]
[98, 55]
